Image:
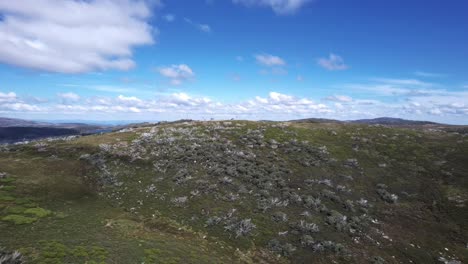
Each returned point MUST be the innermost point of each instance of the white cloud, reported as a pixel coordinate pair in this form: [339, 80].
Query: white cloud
[177, 73]
[73, 36]
[8, 97]
[339, 98]
[449, 106]
[169, 17]
[129, 101]
[332, 63]
[10, 102]
[68, 97]
[277, 97]
[269, 60]
[412, 98]
[202, 27]
[183, 99]
[280, 7]
[19, 107]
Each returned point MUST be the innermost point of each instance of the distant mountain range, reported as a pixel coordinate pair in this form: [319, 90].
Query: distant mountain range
[14, 130]
[392, 121]
[14, 122]
[374, 121]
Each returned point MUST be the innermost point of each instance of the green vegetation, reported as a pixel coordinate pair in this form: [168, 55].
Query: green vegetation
[38, 212]
[19, 219]
[239, 192]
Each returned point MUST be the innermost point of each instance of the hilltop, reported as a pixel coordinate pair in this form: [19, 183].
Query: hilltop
[239, 192]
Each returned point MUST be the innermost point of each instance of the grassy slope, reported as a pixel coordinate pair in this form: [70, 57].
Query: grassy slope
[86, 224]
[84, 227]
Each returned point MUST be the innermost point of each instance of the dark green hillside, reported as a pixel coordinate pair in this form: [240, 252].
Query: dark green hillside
[239, 192]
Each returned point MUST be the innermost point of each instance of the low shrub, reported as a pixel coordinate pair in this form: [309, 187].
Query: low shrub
[283, 249]
[279, 217]
[19, 219]
[38, 212]
[7, 257]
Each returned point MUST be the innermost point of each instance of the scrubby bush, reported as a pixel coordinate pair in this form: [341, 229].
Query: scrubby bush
[330, 195]
[329, 246]
[337, 220]
[349, 205]
[7, 257]
[275, 246]
[311, 202]
[333, 247]
[295, 198]
[263, 205]
[225, 180]
[180, 201]
[282, 249]
[302, 227]
[279, 217]
[377, 260]
[353, 163]
[307, 241]
[326, 182]
[212, 221]
[381, 186]
[230, 197]
[363, 203]
[386, 196]
[241, 228]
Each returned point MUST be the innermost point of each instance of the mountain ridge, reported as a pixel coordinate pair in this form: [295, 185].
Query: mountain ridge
[238, 192]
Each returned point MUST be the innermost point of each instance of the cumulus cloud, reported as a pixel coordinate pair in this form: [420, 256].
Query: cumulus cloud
[73, 36]
[178, 99]
[278, 102]
[449, 106]
[177, 73]
[8, 97]
[131, 101]
[280, 7]
[269, 60]
[332, 63]
[10, 102]
[68, 97]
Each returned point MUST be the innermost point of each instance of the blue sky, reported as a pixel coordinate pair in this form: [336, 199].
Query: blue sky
[245, 59]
